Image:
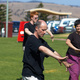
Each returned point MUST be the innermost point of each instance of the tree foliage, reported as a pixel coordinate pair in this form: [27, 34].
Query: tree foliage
[40, 5]
[42, 16]
[3, 13]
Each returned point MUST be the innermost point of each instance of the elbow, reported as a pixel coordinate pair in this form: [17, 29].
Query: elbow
[41, 48]
[66, 42]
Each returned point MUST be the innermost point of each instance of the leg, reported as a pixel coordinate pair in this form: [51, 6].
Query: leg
[79, 65]
[74, 69]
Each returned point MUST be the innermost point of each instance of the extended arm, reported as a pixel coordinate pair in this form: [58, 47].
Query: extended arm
[50, 53]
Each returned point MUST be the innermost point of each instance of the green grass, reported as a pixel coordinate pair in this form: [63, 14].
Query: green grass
[10, 59]
[11, 55]
[61, 36]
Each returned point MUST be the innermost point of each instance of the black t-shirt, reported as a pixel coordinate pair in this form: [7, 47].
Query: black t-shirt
[33, 58]
[31, 29]
[75, 40]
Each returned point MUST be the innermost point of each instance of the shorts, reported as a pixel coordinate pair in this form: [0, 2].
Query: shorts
[29, 78]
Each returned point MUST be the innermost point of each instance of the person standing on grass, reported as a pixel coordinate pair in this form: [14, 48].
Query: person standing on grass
[29, 27]
[73, 52]
[36, 49]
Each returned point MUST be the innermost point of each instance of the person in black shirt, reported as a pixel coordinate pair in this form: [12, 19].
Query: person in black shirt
[73, 52]
[30, 27]
[36, 49]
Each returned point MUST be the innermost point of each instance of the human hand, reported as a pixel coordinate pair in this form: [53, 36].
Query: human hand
[60, 62]
[67, 65]
[61, 59]
[52, 37]
[77, 50]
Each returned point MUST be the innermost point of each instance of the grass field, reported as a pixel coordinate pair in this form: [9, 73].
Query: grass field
[11, 55]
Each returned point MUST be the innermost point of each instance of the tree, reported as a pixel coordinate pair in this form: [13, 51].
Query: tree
[3, 14]
[40, 5]
[43, 16]
[27, 18]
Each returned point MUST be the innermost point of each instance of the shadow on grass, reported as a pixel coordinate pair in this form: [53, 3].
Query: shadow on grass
[19, 78]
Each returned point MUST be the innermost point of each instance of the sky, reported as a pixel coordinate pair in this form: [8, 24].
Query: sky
[63, 2]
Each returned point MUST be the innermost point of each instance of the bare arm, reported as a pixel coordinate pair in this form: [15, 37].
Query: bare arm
[68, 42]
[49, 32]
[28, 32]
[55, 55]
[50, 53]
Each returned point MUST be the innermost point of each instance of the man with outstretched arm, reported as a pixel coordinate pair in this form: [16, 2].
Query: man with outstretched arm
[36, 49]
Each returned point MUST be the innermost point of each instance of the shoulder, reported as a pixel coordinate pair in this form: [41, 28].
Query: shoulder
[33, 42]
[73, 34]
[27, 24]
[42, 40]
[32, 38]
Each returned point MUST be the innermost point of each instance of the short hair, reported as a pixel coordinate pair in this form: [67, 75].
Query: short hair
[77, 22]
[33, 13]
[38, 23]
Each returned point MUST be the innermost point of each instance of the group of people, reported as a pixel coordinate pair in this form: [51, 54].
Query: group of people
[36, 49]
[30, 27]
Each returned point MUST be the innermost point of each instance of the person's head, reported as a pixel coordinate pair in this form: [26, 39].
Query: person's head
[40, 28]
[77, 25]
[34, 16]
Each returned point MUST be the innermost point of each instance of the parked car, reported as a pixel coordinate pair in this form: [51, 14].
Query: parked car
[52, 24]
[16, 26]
[69, 28]
[71, 23]
[64, 22]
[54, 29]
